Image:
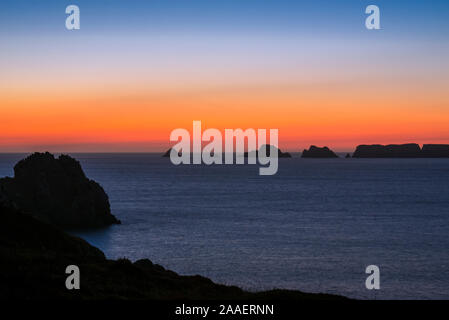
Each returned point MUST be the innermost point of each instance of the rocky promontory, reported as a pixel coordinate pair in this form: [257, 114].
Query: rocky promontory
[56, 191]
[317, 152]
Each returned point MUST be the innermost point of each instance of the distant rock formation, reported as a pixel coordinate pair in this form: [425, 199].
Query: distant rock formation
[268, 149]
[316, 152]
[435, 151]
[410, 150]
[56, 191]
[348, 156]
[167, 154]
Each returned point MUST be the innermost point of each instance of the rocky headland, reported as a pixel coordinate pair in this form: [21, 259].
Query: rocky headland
[435, 151]
[56, 191]
[410, 150]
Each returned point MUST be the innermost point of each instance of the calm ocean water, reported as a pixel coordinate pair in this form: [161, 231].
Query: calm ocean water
[314, 226]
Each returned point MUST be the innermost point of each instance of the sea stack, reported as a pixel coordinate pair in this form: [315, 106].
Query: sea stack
[56, 191]
[268, 149]
[317, 152]
[410, 150]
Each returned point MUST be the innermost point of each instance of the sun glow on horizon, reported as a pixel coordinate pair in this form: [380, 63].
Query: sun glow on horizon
[98, 90]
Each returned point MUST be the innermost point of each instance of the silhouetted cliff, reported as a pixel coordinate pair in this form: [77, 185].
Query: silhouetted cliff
[411, 150]
[435, 151]
[316, 152]
[56, 191]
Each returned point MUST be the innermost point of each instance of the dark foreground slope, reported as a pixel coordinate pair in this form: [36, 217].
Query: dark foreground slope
[34, 256]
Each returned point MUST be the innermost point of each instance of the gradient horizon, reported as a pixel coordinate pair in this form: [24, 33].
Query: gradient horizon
[139, 69]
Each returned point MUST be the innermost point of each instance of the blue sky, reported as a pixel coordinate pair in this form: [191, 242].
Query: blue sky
[415, 18]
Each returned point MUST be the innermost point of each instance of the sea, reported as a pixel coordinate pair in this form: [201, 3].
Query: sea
[315, 226]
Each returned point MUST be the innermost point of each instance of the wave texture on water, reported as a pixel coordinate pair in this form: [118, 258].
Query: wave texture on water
[314, 226]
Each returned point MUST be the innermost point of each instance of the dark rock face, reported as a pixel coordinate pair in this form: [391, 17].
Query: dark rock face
[316, 152]
[411, 150]
[435, 151]
[56, 191]
[268, 149]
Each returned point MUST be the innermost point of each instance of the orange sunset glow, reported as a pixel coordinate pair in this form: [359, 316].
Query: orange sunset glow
[141, 120]
[106, 92]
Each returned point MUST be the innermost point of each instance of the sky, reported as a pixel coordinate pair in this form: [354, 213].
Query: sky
[136, 70]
